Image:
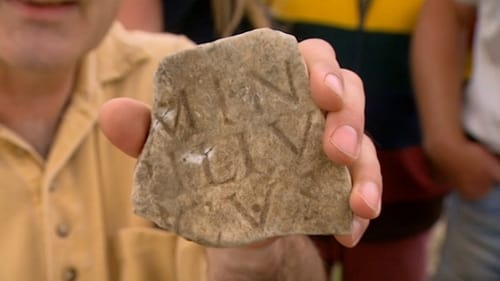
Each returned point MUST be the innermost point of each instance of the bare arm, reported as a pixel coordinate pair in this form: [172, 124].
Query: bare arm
[438, 56]
[439, 51]
[144, 15]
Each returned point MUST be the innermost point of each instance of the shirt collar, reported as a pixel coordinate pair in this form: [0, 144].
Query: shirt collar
[117, 54]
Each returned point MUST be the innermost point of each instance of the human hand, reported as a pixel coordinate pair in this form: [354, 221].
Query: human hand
[338, 92]
[466, 165]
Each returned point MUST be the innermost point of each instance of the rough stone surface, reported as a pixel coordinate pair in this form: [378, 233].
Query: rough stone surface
[235, 154]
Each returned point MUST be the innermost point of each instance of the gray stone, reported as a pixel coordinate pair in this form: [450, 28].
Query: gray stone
[234, 154]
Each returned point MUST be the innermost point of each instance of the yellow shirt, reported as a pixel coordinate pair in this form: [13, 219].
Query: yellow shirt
[69, 217]
[392, 16]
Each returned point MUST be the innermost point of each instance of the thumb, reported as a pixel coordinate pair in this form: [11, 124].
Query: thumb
[125, 122]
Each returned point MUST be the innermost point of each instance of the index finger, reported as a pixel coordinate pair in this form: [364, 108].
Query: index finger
[324, 73]
[339, 92]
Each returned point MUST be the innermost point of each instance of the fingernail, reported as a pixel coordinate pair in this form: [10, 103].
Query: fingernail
[357, 231]
[334, 83]
[345, 138]
[370, 193]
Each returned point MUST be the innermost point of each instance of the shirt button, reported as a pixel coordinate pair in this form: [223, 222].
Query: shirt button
[69, 274]
[62, 230]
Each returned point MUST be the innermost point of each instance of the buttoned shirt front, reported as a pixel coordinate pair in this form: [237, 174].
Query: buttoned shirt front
[69, 217]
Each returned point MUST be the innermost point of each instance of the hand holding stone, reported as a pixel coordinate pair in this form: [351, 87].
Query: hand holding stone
[340, 95]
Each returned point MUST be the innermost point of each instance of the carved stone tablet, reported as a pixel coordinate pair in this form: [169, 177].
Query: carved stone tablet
[234, 154]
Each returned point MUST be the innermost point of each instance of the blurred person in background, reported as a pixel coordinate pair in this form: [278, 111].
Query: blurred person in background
[200, 20]
[461, 129]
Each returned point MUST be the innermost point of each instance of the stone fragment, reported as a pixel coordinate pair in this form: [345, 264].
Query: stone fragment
[234, 154]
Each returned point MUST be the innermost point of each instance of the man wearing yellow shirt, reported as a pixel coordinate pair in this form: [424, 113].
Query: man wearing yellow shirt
[65, 210]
